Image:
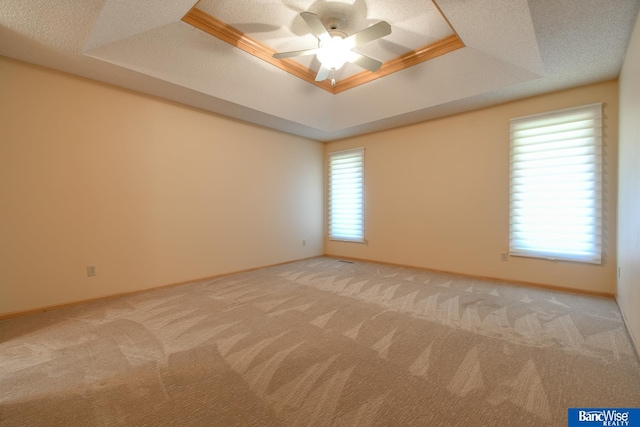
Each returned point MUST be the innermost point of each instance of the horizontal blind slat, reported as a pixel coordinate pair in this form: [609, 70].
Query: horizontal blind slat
[346, 195]
[555, 185]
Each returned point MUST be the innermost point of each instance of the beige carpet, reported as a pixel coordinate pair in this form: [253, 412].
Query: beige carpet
[319, 343]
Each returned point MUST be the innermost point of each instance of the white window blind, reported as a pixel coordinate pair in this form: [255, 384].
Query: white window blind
[346, 195]
[556, 185]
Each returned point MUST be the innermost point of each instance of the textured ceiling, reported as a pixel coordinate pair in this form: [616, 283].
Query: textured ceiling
[513, 48]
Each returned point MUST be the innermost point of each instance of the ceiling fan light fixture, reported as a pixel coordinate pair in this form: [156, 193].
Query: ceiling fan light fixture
[334, 46]
[332, 54]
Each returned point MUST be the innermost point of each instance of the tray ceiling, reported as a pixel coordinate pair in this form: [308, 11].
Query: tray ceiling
[426, 34]
[509, 49]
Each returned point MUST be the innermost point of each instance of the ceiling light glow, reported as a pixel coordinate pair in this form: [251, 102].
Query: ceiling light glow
[333, 54]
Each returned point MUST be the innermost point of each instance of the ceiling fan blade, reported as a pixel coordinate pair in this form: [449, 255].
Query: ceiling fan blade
[374, 32]
[315, 24]
[323, 73]
[295, 53]
[364, 61]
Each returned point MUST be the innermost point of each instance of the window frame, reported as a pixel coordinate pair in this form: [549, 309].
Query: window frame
[593, 241]
[350, 153]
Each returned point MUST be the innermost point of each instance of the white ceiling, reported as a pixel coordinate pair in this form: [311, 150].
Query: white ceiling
[513, 49]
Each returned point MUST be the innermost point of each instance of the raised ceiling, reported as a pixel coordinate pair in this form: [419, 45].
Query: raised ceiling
[406, 47]
[506, 49]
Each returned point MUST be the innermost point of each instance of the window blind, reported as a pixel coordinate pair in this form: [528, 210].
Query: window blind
[556, 185]
[346, 195]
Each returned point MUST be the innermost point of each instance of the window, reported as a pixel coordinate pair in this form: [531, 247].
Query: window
[555, 192]
[346, 195]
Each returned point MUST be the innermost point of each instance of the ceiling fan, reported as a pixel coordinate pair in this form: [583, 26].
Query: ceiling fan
[334, 46]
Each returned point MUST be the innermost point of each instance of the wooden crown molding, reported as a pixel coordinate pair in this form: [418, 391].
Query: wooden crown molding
[207, 23]
[439, 48]
[225, 32]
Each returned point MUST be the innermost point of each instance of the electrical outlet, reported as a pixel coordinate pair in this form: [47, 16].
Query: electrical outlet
[304, 242]
[504, 256]
[91, 270]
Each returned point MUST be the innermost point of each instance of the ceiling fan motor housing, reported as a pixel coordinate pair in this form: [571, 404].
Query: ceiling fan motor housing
[334, 22]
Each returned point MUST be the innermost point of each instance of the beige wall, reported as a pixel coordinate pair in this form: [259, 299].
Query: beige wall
[151, 192]
[437, 195]
[629, 188]
[155, 193]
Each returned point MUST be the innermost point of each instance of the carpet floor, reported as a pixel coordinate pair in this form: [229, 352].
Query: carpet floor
[319, 342]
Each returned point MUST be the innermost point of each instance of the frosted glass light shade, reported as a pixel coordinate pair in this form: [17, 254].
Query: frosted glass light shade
[333, 53]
